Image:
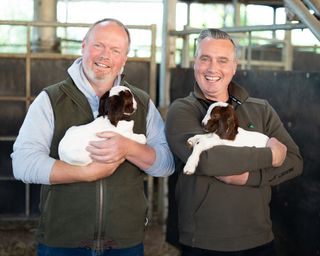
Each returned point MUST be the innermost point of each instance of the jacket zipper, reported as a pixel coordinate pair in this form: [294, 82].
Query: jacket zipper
[100, 217]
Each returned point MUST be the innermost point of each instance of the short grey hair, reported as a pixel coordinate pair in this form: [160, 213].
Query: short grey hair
[214, 34]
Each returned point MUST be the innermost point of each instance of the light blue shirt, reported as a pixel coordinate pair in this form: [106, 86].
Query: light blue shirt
[31, 162]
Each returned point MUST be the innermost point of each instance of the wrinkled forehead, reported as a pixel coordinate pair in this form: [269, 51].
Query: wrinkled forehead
[209, 46]
[109, 30]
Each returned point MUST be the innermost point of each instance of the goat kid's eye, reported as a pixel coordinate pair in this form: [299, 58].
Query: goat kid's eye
[230, 120]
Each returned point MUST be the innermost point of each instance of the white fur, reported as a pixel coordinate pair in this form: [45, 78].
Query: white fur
[72, 146]
[115, 90]
[216, 104]
[76, 139]
[206, 141]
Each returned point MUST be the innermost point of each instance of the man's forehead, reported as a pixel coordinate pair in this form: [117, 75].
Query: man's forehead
[213, 41]
[100, 32]
[216, 47]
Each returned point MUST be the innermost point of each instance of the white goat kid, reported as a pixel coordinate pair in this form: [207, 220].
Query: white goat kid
[221, 123]
[76, 139]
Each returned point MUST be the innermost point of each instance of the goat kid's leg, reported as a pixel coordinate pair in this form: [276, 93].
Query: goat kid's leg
[203, 143]
[194, 140]
[193, 160]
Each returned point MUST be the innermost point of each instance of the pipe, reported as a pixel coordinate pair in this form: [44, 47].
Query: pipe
[313, 5]
[242, 29]
[298, 7]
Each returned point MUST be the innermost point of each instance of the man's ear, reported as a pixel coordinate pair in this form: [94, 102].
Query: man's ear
[235, 65]
[83, 44]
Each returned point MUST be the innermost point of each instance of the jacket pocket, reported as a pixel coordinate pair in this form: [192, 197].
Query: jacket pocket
[68, 215]
[231, 211]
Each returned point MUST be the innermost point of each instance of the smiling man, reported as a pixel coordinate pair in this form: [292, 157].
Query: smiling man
[223, 209]
[98, 209]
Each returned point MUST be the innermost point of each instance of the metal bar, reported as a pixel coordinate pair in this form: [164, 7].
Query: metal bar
[168, 51]
[150, 195]
[287, 52]
[13, 98]
[28, 69]
[7, 138]
[313, 5]
[249, 56]
[153, 64]
[185, 59]
[265, 63]
[27, 104]
[242, 29]
[7, 178]
[61, 24]
[43, 55]
[298, 7]
[152, 92]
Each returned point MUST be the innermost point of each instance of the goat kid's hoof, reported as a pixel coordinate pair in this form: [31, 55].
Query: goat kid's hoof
[191, 142]
[188, 172]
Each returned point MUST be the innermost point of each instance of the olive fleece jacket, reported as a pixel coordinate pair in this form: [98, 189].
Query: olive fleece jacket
[214, 215]
[107, 213]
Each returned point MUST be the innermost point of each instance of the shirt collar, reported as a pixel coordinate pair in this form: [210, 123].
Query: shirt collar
[81, 81]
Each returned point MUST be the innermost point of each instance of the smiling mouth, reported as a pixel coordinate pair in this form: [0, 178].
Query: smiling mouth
[101, 65]
[212, 78]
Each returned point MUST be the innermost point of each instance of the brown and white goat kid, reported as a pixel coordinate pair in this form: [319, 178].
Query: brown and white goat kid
[221, 123]
[120, 106]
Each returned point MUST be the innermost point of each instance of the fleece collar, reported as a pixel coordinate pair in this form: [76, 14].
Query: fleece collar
[236, 92]
[80, 80]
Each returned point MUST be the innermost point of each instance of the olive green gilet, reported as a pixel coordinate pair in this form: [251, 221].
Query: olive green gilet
[107, 213]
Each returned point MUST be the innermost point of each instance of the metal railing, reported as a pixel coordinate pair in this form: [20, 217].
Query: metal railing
[245, 32]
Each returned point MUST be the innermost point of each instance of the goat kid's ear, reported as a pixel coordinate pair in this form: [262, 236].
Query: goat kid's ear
[115, 109]
[211, 126]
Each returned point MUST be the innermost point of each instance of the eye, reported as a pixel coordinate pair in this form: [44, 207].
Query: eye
[97, 45]
[116, 51]
[204, 59]
[216, 116]
[223, 60]
[230, 121]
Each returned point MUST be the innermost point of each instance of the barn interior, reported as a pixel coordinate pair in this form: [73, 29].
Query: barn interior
[271, 66]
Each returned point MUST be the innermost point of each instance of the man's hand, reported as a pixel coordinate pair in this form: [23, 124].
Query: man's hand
[279, 151]
[113, 148]
[239, 179]
[63, 173]
[95, 171]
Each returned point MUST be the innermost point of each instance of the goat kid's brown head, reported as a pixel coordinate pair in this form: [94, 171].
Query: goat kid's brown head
[120, 105]
[222, 120]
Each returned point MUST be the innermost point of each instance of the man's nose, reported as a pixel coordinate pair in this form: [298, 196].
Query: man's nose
[106, 52]
[213, 65]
